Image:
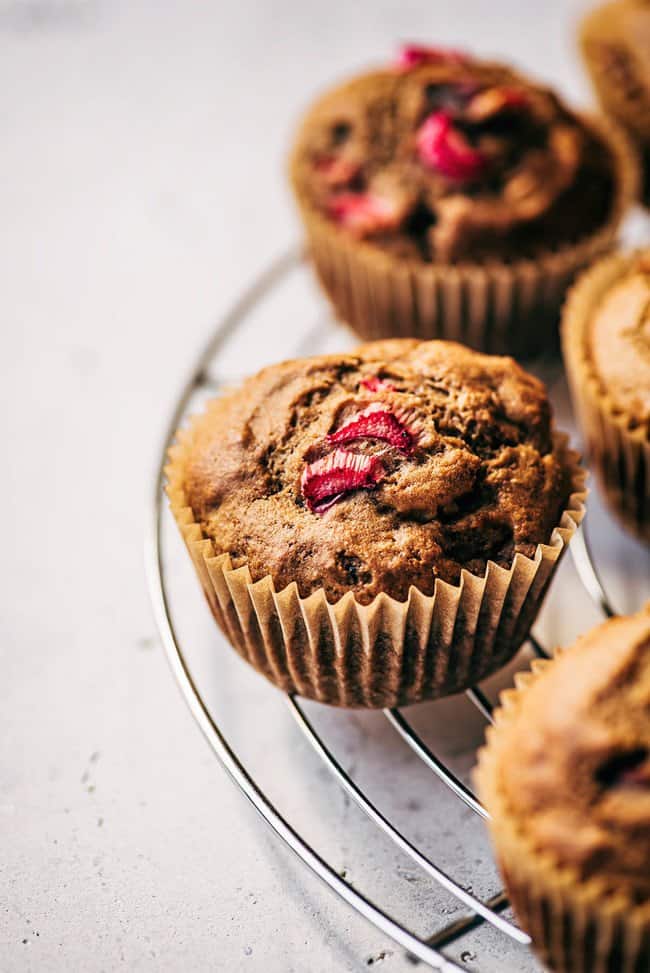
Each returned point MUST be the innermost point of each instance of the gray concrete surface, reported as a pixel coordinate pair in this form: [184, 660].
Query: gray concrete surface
[141, 186]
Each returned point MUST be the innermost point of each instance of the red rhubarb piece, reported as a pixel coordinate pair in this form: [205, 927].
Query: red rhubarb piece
[445, 149]
[375, 384]
[336, 170]
[329, 479]
[412, 55]
[377, 422]
[364, 213]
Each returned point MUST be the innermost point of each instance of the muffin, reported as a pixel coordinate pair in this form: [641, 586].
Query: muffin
[615, 42]
[378, 527]
[446, 197]
[606, 344]
[565, 777]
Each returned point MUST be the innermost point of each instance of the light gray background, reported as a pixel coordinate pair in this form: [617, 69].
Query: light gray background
[141, 186]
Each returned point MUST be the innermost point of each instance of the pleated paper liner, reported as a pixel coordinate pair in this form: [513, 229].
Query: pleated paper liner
[619, 452]
[577, 925]
[492, 306]
[387, 653]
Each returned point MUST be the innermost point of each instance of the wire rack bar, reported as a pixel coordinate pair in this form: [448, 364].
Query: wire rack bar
[426, 950]
[461, 926]
[584, 564]
[538, 648]
[419, 747]
[482, 703]
[396, 836]
[232, 764]
[157, 580]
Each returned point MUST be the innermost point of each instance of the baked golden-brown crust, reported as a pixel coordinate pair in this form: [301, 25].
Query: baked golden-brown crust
[606, 348]
[614, 41]
[452, 160]
[459, 449]
[618, 342]
[573, 760]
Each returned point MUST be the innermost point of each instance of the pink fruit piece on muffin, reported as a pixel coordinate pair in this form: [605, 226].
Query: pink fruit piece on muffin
[391, 466]
[445, 157]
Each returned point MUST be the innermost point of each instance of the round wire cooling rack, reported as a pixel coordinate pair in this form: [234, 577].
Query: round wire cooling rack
[282, 315]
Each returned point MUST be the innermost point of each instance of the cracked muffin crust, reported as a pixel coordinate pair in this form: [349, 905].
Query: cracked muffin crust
[447, 197]
[565, 776]
[618, 343]
[606, 348]
[390, 466]
[574, 763]
[445, 158]
[615, 44]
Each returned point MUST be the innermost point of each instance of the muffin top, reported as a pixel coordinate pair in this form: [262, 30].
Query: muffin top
[615, 39]
[573, 761]
[618, 342]
[441, 157]
[390, 466]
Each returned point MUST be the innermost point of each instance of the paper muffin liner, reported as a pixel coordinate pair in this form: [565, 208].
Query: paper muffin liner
[386, 653]
[492, 306]
[619, 452]
[577, 925]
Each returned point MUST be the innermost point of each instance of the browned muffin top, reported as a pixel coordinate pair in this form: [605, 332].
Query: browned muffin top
[445, 158]
[574, 763]
[615, 40]
[618, 342]
[391, 466]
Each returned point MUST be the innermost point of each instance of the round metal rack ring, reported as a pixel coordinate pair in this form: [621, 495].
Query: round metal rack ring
[426, 950]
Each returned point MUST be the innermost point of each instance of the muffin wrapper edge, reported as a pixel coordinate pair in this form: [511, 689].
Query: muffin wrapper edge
[386, 653]
[620, 453]
[499, 307]
[575, 925]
